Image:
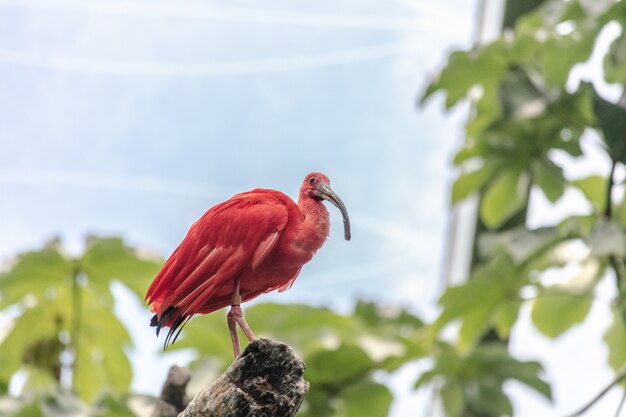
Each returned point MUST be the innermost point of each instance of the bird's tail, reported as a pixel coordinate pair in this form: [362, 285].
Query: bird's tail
[173, 319]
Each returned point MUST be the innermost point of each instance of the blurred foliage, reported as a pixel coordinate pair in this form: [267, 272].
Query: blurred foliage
[71, 349]
[527, 119]
[474, 380]
[528, 116]
[342, 352]
[64, 341]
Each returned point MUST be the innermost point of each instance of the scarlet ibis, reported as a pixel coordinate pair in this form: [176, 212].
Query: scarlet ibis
[253, 243]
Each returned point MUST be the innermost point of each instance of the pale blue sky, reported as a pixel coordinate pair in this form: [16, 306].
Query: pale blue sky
[134, 118]
[120, 119]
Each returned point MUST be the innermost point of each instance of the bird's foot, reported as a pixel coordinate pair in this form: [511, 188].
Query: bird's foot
[232, 326]
[234, 318]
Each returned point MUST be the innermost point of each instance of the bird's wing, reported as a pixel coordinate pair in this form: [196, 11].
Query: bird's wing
[289, 283]
[229, 238]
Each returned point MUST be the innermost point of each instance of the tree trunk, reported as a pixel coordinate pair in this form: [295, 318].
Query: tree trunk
[266, 380]
[173, 398]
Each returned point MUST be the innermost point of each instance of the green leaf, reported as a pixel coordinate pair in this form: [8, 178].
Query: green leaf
[29, 410]
[475, 324]
[306, 328]
[60, 313]
[489, 400]
[39, 381]
[109, 259]
[34, 273]
[467, 152]
[322, 365]
[504, 197]
[478, 302]
[209, 336]
[549, 178]
[387, 334]
[102, 365]
[453, 398]
[572, 113]
[560, 53]
[474, 295]
[505, 317]
[366, 398]
[447, 364]
[493, 360]
[488, 110]
[615, 61]
[526, 372]
[465, 69]
[379, 318]
[476, 378]
[619, 213]
[555, 311]
[320, 402]
[35, 329]
[518, 96]
[594, 188]
[115, 407]
[615, 339]
[470, 182]
[487, 287]
[612, 123]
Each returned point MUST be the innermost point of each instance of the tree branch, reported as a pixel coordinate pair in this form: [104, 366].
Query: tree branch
[620, 376]
[608, 209]
[266, 380]
[616, 264]
[621, 404]
[173, 398]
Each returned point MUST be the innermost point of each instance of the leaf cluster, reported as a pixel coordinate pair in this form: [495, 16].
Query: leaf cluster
[528, 117]
[64, 337]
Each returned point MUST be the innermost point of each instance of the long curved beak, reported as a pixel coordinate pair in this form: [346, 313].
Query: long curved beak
[328, 194]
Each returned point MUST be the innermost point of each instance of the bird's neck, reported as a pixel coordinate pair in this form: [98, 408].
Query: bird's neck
[316, 221]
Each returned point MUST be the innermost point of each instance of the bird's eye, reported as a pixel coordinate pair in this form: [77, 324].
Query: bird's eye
[312, 180]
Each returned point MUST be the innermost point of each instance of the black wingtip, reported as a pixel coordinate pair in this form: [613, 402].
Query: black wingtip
[175, 328]
[158, 323]
[173, 334]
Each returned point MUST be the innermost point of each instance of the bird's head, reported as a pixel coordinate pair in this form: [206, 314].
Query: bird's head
[317, 187]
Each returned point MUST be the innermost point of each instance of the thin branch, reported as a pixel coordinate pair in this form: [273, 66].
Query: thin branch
[608, 209]
[618, 269]
[76, 323]
[616, 264]
[621, 404]
[620, 376]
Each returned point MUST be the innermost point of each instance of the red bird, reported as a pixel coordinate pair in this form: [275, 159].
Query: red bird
[253, 243]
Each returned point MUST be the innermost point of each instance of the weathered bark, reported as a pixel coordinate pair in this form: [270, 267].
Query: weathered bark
[173, 398]
[266, 380]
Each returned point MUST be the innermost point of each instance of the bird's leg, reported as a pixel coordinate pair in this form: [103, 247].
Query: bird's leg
[232, 322]
[235, 316]
[232, 326]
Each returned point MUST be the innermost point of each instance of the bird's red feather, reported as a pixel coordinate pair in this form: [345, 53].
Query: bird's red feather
[230, 240]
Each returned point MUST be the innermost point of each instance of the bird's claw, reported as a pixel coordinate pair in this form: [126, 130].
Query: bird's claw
[234, 318]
